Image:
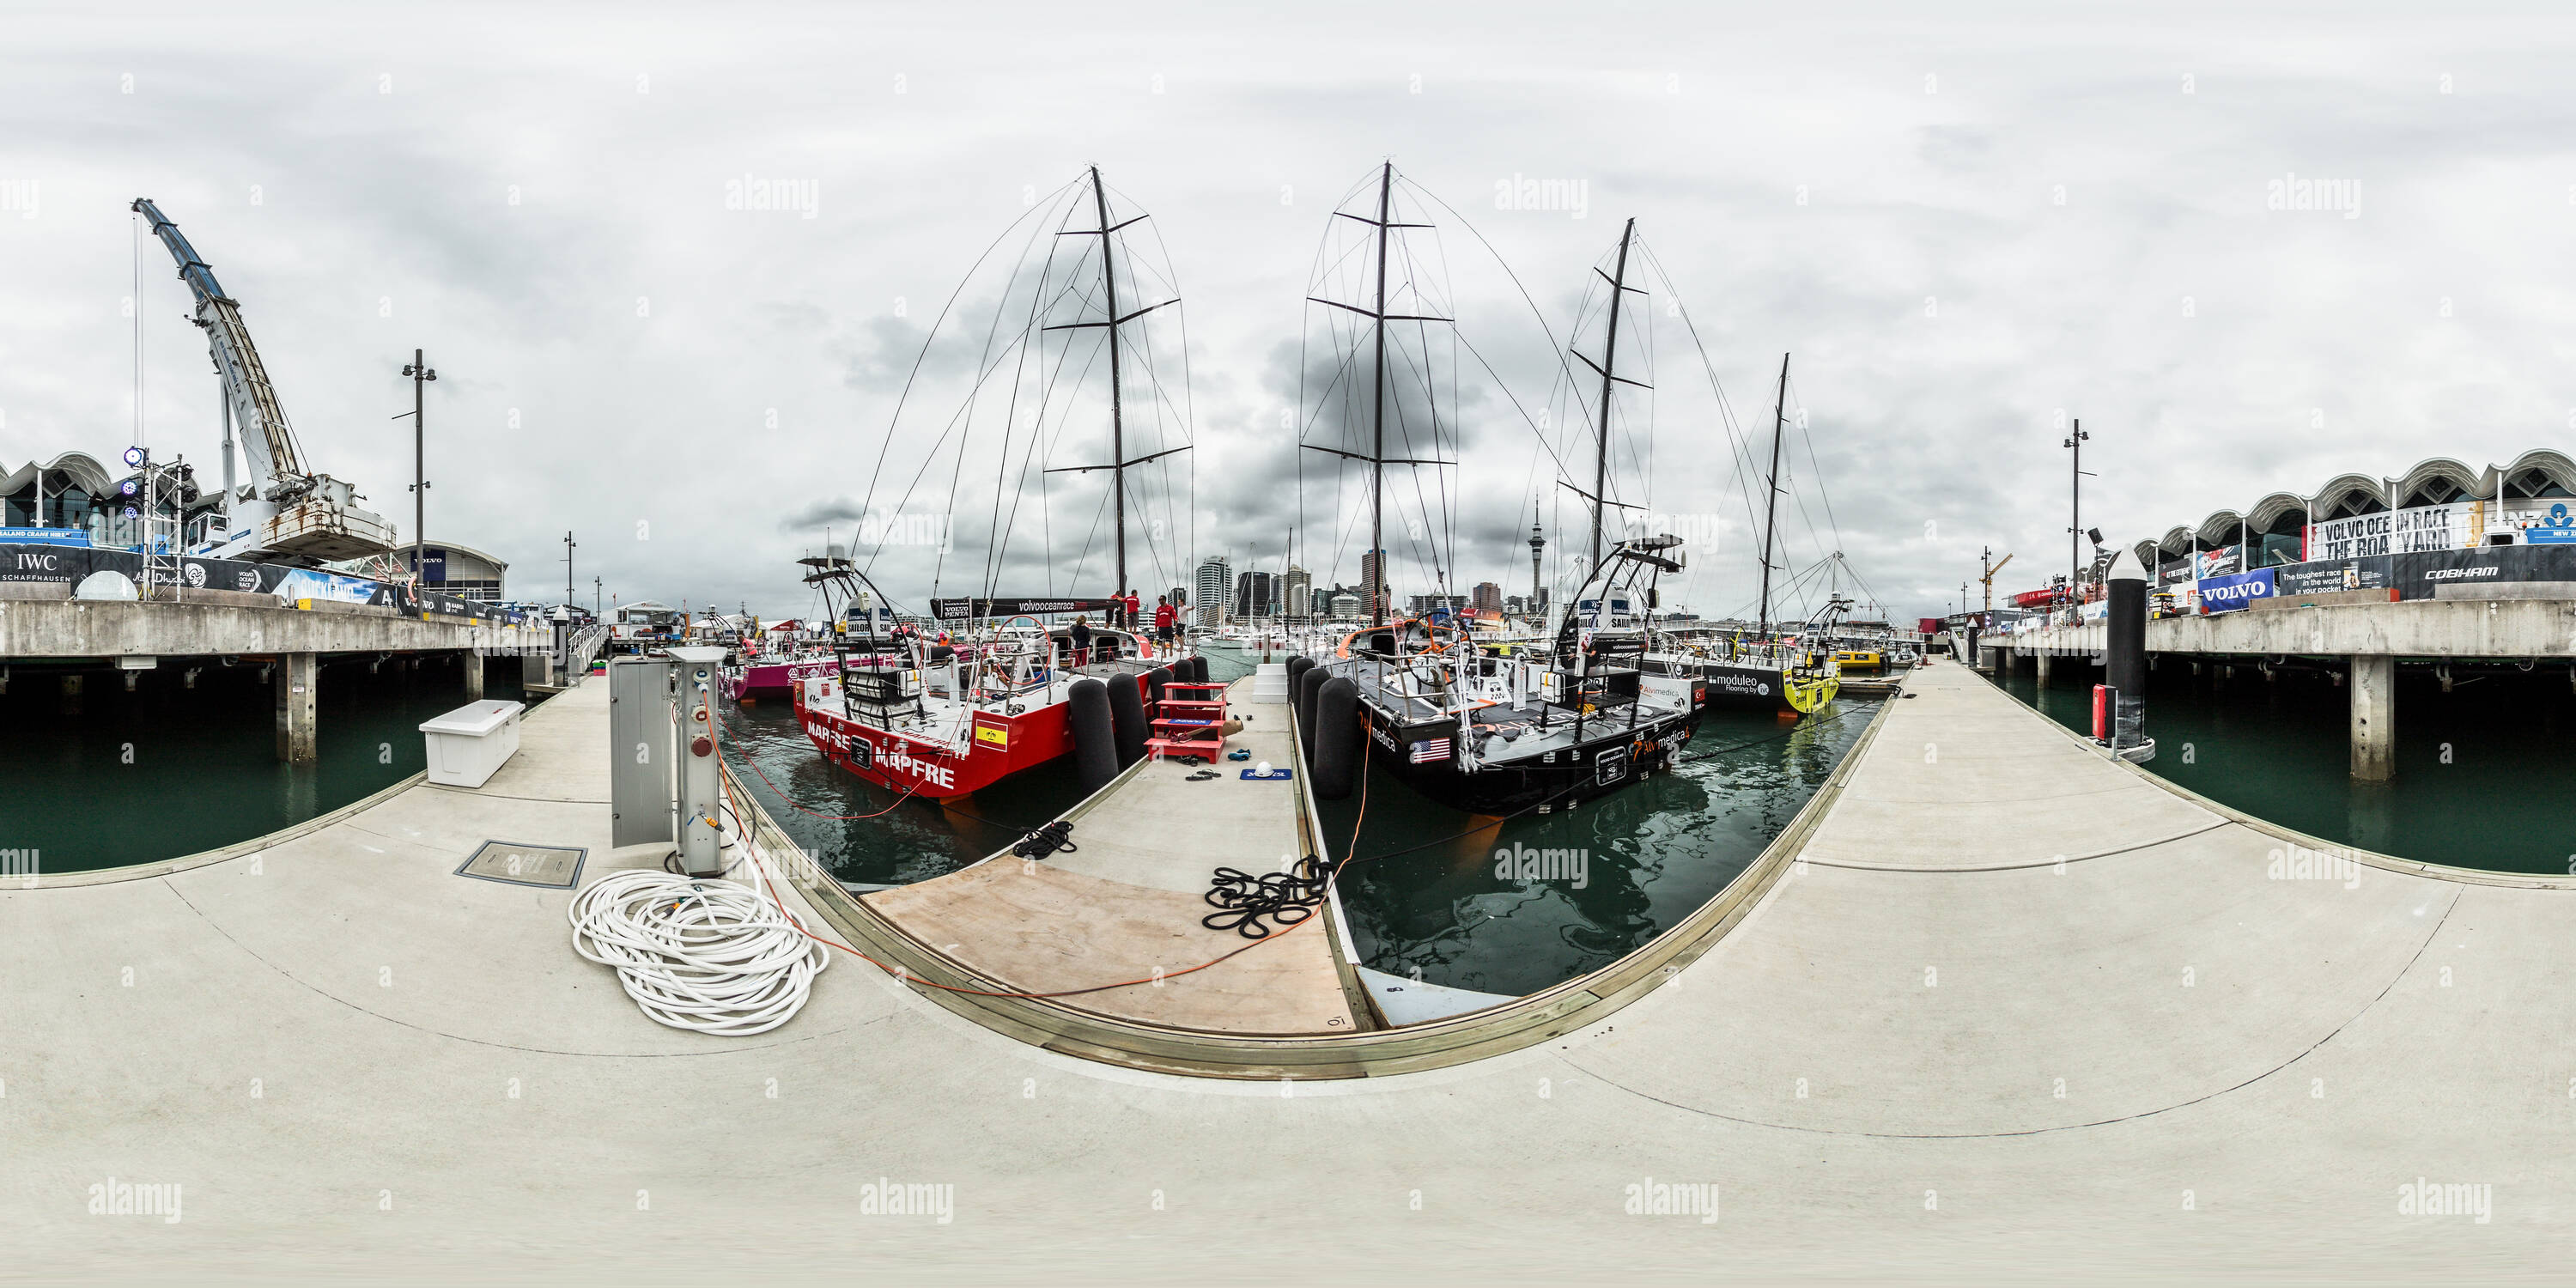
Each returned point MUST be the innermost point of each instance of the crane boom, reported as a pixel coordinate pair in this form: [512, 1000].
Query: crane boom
[266, 438]
[297, 514]
[1988, 580]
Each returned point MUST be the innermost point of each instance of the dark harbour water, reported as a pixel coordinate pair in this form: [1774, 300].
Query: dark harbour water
[1651, 855]
[168, 771]
[2486, 774]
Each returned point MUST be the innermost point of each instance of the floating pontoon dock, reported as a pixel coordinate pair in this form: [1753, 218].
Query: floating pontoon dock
[1930, 1037]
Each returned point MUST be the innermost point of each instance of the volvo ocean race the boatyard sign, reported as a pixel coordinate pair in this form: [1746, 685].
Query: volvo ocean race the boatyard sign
[2395, 532]
[2228, 594]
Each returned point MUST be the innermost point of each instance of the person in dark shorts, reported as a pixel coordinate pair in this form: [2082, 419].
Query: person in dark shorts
[1165, 620]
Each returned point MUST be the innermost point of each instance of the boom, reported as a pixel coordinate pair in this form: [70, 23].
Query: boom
[277, 469]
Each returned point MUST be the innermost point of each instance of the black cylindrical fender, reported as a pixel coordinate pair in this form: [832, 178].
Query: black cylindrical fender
[1095, 746]
[1127, 720]
[1340, 746]
[1309, 683]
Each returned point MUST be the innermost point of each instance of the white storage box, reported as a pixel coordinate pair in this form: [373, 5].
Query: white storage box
[1270, 682]
[468, 745]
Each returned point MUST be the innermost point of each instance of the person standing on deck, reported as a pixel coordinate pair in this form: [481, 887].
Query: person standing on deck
[1082, 641]
[1132, 623]
[1163, 620]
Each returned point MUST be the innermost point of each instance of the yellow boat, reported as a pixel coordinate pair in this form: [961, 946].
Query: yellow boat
[1807, 692]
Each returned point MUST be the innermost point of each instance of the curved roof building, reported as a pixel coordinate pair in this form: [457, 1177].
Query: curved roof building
[2275, 522]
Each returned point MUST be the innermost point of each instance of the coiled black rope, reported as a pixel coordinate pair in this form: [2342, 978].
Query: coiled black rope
[1055, 836]
[1242, 899]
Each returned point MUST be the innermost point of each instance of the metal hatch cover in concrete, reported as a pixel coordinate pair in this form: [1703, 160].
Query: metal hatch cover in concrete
[2159, 1060]
[511, 863]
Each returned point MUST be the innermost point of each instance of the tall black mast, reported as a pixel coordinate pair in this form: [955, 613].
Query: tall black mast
[1609, 360]
[1373, 564]
[1117, 388]
[1771, 504]
[1118, 461]
[1377, 451]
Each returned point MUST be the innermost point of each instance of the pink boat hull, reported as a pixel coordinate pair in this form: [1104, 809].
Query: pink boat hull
[773, 679]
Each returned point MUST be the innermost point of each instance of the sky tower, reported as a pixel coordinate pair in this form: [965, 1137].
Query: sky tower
[1538, 547]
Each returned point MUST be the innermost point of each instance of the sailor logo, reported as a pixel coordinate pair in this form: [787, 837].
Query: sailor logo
[197, 574]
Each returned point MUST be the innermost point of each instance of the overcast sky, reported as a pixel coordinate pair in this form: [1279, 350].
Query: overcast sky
[1964, 230]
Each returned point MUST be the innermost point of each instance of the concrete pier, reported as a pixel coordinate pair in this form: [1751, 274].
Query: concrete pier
[298, 687]
[2374, 717]
[2010, 1007]
[2364, 635]
[473, 664]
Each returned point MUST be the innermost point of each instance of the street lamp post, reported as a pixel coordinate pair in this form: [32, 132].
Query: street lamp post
[420, 375]
[2075, 510]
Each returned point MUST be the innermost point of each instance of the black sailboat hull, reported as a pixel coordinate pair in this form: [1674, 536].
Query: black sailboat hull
[1601, 763]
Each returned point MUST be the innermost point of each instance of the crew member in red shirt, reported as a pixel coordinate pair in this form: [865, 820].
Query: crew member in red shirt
[1132, 605]
[1164, 620]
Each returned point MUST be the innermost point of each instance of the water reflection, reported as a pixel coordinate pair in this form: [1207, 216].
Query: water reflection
[2482, 771]
[1618, 871]
[1626, 867]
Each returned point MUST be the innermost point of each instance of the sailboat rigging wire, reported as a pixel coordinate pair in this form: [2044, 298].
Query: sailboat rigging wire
[1807, 431]
[1010, 422]
[1189, 405]
[922, 355]
[1739, 448]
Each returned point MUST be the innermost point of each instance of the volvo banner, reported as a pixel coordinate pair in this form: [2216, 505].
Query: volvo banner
[2453, 526]
[958, 610]
[2231, 593]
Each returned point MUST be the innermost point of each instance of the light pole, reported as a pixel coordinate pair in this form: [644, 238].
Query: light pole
[2075, 510]
[568, 546]
[420, 375]
[594, 598]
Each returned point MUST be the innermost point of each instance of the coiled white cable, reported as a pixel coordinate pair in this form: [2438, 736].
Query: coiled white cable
[704, 955]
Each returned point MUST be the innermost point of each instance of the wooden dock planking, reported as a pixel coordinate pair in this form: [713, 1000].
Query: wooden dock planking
[1127, 901]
